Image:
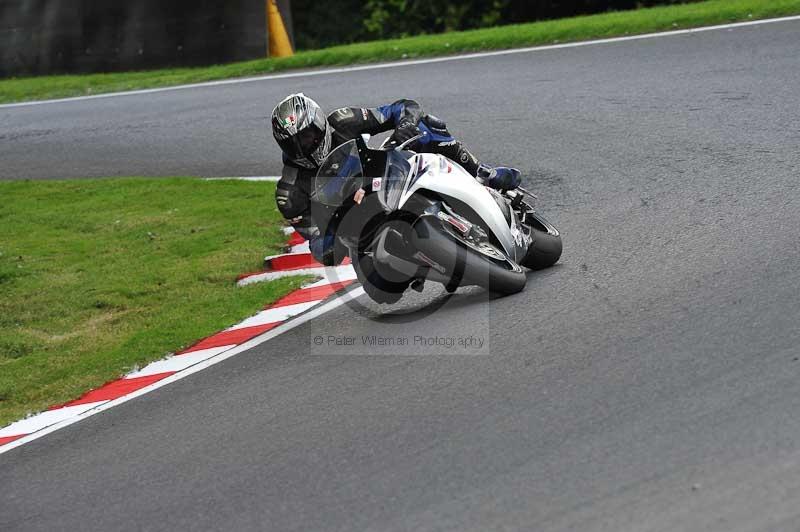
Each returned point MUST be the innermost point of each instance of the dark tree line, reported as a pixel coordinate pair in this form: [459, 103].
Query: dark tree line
[71, 36]
[320, 23]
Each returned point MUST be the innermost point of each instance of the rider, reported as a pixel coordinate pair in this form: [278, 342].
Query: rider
[306, 137]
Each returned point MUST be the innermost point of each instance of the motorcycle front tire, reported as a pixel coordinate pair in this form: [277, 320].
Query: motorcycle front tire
[465, 265]
[376, 287]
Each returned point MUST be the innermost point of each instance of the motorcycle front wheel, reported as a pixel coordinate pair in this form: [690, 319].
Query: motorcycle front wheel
[378, 288]
[463, 264]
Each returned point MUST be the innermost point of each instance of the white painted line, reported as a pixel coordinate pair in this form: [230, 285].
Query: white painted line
[96, 408]
[274, 315]
[287, 254]
[178, 362]
[412, 62]
[271, 178]
[331, 274]
[45, 419]
[299, 248]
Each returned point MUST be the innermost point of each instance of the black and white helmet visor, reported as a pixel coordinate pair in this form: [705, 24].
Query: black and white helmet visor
[308, 147]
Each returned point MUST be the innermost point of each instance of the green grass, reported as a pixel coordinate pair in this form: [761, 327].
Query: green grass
[98, 277]
[548, 32]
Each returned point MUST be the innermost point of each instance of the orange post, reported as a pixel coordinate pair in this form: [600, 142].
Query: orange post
[279, 43]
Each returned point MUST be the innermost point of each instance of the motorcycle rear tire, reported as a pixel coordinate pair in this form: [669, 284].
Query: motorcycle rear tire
[546, 246]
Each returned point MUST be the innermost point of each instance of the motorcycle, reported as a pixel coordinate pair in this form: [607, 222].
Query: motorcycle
[404, 217]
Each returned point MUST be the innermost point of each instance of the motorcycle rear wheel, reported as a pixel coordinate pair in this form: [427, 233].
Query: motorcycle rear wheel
[546, 246]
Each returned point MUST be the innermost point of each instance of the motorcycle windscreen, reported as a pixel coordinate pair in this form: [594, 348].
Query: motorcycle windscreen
[395, 178]
[340, 176]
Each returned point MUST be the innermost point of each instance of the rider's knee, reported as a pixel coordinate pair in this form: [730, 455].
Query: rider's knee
[291, 202]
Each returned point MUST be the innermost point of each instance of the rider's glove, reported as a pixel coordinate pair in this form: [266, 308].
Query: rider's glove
[499, 177]
[405, 129]
[321, 248]
[327, 250]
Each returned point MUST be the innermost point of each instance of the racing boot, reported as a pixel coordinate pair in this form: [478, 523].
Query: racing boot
[499, 178]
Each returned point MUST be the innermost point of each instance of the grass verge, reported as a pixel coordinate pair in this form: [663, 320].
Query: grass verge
[538, 33]
[100, 276]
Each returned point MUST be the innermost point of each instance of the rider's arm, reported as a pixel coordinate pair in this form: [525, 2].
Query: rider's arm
[353, 121]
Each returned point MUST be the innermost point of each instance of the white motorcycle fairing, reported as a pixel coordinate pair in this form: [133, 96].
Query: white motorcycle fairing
[448, 179]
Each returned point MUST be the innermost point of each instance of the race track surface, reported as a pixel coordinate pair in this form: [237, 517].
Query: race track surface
[650, 381]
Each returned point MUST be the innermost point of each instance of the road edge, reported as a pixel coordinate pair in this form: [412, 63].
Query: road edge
[399, 64]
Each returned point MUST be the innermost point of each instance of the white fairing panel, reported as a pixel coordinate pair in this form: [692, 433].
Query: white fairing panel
[447, 178]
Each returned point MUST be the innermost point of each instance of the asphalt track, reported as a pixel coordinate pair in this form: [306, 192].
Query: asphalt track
[650, 381]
